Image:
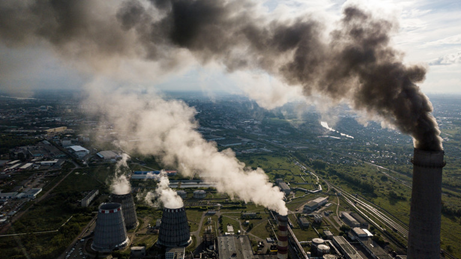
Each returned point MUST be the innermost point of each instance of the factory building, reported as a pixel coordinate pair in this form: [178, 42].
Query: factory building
[199, 194]
[8, 196]
[144, 175]
[363, 223]
[25, 166]
[48, 163]
[78, 151]
[349, 220]
[32, 193]
[362, 236]
[303, 222]
[138, 252]
[175, 253]
[284, 188]
[89, 198]
[346, 248]
[108, 155]
[318, 218]
[357, 233]
[238, 247]
[315, 204]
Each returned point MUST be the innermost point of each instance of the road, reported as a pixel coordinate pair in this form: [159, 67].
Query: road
[77, 245]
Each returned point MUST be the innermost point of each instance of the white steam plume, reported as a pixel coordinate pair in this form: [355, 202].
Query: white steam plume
[163, 194]
[147, 124]
[120, 183]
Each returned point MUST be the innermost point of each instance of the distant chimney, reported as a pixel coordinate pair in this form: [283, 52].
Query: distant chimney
[426, 205]
[282, 237]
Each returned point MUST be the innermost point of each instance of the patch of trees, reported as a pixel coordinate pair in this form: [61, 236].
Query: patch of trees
[396, 196]
[450, 211]
[9, 141]
[356, 181]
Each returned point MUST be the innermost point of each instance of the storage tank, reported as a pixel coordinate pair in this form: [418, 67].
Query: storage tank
[110, 232]
[323, 249]
[317, 241]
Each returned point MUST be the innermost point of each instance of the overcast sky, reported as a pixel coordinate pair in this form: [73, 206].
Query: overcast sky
[429, 33]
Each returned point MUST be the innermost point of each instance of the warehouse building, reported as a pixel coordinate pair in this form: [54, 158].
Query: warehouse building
[108, 155]
[349, 220]
[78, 151]
[346, 248]
[89, 197]
[362, 221]
[284, 188]
[315, 204]
[199, 194]
[238, 247]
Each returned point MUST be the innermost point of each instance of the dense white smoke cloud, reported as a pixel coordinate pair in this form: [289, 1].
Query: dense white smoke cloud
[150, 125]
[120, 184]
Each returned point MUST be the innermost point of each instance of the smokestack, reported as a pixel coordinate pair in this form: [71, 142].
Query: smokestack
[426, 205]
[174, 230]
[282, 237]
[128, 208]
[110, 232]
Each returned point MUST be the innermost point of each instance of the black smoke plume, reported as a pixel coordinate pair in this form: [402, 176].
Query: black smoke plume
[356, 62]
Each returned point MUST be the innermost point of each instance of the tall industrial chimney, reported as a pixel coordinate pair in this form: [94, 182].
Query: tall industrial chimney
[128, 208]
[282, 237]
[426, 205]
[174, 229]
[110, 232]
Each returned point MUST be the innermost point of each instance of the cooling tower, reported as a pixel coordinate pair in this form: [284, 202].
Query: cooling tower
[174, 230]
[282, 237]
[110, 232]
[128, 208]
[426, 205]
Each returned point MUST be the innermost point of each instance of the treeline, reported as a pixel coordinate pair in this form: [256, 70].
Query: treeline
[450, 211]
[354, 180]
[9, 141]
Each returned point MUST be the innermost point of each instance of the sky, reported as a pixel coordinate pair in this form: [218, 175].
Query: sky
[429, 34]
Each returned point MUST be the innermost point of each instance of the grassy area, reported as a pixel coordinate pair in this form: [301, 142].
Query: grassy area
[194, 217]
[229, 219]
[262, 230]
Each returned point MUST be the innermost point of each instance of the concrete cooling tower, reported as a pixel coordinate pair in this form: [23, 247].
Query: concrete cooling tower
[426, 205]
[110, 232]
[128, 208]
[174, 230]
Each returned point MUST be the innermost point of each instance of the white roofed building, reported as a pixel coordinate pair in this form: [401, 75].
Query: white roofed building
[78, 151]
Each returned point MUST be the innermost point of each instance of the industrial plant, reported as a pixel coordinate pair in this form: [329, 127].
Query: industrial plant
[339, 205]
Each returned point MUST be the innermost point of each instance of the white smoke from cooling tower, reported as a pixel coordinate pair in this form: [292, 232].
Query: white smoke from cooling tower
[120, 184]
[163, 194]
[147, 124]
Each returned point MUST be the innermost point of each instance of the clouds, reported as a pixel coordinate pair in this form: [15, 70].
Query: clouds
[450, 59]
